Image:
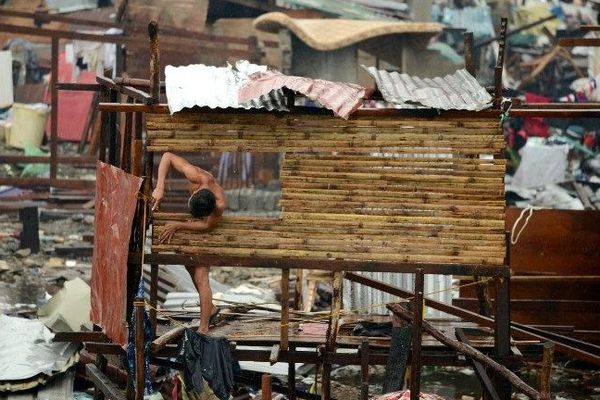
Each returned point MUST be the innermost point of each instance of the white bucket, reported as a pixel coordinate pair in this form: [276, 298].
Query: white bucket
[28, 124]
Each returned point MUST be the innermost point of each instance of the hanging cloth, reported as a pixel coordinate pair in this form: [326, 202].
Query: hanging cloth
[206, 357]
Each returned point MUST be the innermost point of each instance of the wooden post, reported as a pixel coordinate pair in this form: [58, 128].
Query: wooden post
[54, 109]
[546, 371]
[292, 377]
[298, 287]
[415, 364]
[502, 334]
[469, 62]
[483, 297]
[336, 305]
[285, 308]
[138, 146]
[500, 63]
[126, 139]
[104, 97]
[154, 62]
[113, 135]
[138, 305]
[266, 389]
[153, 296]
[30, 236]
[364, 369]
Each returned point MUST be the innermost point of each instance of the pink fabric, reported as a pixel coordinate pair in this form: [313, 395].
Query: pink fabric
[314, 328]
[73, 106]
[342, 98]
[116, 193]
[405, 395]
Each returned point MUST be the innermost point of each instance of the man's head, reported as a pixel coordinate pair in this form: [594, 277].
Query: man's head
[202, 203]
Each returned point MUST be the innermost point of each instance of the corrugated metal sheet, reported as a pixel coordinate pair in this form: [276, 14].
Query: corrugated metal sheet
[363, 298]
[459, 91]
[342, 98]
[216, 87]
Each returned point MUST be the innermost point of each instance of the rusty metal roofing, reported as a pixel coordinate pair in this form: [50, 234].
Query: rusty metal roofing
[326, 34]
[459, 91]
[216, 87]
[342, 98]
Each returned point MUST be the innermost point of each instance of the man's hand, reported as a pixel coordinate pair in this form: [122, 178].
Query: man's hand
[168, 231]
[157, 196]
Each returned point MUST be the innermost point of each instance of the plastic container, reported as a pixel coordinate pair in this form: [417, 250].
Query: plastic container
[28, 124]
[4, 130]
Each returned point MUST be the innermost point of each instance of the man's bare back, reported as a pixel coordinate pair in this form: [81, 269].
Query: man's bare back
[207, 203]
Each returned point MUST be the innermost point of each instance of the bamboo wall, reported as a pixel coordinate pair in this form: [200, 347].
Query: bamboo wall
[412, 190]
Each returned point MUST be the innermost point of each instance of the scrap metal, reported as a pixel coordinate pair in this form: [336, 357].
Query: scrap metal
[217, 87]
[459, 91]
[342, 98]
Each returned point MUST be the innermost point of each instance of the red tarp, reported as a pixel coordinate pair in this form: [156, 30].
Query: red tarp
[116, 193]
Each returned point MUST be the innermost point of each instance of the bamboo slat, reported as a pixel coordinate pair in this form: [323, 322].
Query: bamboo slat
[364, 227]
[334, 255]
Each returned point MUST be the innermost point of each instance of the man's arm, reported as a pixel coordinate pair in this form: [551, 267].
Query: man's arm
[205, 225]
[168, 160]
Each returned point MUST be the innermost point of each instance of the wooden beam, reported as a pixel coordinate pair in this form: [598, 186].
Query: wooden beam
[585, 42]
[538, 305]
[331, 265]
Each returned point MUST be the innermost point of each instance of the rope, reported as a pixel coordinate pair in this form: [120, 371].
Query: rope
[514, 239]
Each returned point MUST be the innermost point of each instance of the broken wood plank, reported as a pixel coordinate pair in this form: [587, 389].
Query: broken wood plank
[397, 361]
[102, 382]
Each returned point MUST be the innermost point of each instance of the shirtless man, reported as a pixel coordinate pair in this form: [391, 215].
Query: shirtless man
[207, 202]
